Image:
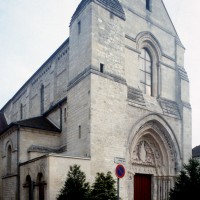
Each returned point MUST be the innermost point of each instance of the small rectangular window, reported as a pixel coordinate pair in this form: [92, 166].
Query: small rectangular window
[79, 131]
[79, 27]
[148, 5]
[21, 111]
[42, 99]
[111, 15]
[65, 114]
[101, 67]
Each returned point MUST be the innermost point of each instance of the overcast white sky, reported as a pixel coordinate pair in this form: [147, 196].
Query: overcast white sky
[31, 30]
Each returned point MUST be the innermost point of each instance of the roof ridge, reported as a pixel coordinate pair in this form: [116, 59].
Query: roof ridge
[113, 6]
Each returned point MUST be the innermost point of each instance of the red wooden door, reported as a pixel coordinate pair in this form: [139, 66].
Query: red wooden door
[142, 187]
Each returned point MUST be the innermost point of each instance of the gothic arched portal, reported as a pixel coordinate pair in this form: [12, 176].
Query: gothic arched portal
[153, 159]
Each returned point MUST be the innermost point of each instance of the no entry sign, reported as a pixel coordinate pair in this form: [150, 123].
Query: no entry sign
[120, 171]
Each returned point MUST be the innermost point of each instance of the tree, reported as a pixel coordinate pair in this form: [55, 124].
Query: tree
[187, 185]
[75, 186]
[104, 187]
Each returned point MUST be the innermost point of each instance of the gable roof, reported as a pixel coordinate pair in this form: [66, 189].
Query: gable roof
[113, 6]
[178, 39]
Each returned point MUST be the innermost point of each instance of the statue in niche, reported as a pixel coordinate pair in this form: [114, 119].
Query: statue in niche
[143, 154]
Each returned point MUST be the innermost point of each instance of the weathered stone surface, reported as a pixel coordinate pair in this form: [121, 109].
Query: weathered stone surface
[90, 90]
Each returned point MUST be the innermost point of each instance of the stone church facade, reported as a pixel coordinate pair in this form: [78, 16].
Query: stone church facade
[116, 87]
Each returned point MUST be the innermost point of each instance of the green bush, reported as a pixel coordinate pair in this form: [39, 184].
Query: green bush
[187, 185]
[104, 187]
[75, 187]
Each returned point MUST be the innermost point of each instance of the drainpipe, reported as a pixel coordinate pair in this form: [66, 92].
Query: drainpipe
[18, 168]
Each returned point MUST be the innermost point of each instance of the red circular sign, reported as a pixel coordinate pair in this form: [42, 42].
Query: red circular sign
[120, 171]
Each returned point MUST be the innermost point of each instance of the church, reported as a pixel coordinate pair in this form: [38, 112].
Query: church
[116, 88]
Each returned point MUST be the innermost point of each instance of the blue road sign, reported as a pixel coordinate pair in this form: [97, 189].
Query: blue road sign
[120, 171]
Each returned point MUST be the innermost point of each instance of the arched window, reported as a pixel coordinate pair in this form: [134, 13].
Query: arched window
[146, 72]
[40, 184]
[42, 98]
[29, 186]
[9, 159]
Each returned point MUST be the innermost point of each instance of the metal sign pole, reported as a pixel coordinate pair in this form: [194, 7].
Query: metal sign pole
[118, 188]
[120, 172]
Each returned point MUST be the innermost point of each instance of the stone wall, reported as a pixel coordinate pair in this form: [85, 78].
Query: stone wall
[114, 120]
[117, 104]
[35, 143]
[9, 188]
[80, 43]
[60, 163]
[32, 169]
[54, 169]
[9, 139]
[77, 131]
[108, 42]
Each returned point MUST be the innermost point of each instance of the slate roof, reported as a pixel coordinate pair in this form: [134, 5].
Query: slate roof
[3, 123]
[113, 6]
[42, 149]
[40, 122]
[196, 151]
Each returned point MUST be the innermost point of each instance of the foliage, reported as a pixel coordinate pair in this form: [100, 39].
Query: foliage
[187, 185]
[104, 187]
[75, 186]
